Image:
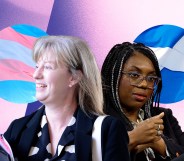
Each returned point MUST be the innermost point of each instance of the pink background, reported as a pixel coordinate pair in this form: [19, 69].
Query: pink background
[101, 23]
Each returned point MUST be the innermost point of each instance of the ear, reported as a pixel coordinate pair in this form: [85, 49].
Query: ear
[75, 78]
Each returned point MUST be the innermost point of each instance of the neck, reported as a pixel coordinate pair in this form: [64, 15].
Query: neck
[58, 119]
[59, 116]
[132, 115]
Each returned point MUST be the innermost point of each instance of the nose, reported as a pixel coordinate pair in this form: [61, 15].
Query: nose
[143, 83]
[38, 73]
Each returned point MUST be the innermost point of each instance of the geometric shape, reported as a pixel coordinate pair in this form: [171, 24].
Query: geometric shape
[161, 36]
[60, 148]
[33, 106]
[173, 86]
[72, 121]
[48, 147]
[17, 91]
[70, 148]
[43, 121]
[39, 134]
[33, 151]
[29, 30]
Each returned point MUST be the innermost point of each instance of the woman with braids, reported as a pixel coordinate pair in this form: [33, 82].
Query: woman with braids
[132, 85]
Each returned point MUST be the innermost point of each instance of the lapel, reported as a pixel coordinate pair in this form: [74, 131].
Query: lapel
[83, 133]
[83, 136]
[28, 134]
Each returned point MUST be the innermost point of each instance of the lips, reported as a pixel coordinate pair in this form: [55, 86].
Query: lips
[140, 96]
[40, 85]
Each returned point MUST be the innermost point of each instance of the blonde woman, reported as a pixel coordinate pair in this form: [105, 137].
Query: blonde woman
[68, 83]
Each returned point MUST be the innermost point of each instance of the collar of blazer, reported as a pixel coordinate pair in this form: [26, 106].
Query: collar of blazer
[84, 125]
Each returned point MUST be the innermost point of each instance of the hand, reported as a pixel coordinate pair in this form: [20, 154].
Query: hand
[147, 131]
[158, 146]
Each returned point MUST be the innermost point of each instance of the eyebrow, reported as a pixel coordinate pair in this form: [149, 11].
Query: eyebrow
[139, 70]
[52, 62]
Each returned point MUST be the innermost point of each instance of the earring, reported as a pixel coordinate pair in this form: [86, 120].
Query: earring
[70, 85]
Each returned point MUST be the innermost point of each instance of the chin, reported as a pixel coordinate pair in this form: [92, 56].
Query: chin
[41, 99]
[136, 105]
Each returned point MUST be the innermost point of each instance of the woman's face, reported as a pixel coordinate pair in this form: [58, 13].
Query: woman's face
[52, 81]
[134, 97]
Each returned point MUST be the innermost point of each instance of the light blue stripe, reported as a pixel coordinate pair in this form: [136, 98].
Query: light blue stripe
[161, 36]
[29, 30]
[16, 51]
[17, 91]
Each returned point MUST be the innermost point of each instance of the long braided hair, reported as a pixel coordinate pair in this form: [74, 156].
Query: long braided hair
[111, 73]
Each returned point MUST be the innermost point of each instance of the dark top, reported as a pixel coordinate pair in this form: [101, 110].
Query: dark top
[172, 134]
[22, 133]
[180, 158]
[41, 146]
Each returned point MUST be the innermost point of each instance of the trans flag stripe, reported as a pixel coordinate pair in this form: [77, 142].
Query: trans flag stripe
[17, 91]
[16, 70]
[16, 63]
[29, 30]
[15, 51]
[11, 35]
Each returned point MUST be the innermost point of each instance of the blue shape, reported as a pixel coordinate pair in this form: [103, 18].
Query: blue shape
[161, 36]
[32, 107]
[29, 30]
[17, 91]
[173, 86]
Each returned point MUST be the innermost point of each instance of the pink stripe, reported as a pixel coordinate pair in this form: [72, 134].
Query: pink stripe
[15, 70]
[5, 145]
[10, 34]
[9, 111]
[178, 110]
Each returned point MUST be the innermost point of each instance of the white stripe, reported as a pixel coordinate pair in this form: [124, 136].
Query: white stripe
[172, 59]
[16, 51]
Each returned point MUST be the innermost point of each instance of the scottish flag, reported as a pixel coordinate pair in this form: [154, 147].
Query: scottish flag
[167, 41]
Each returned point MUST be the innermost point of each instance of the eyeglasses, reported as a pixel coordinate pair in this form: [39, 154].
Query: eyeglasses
[136, 78]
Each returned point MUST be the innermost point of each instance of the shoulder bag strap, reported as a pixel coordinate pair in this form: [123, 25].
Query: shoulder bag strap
[96, 139]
